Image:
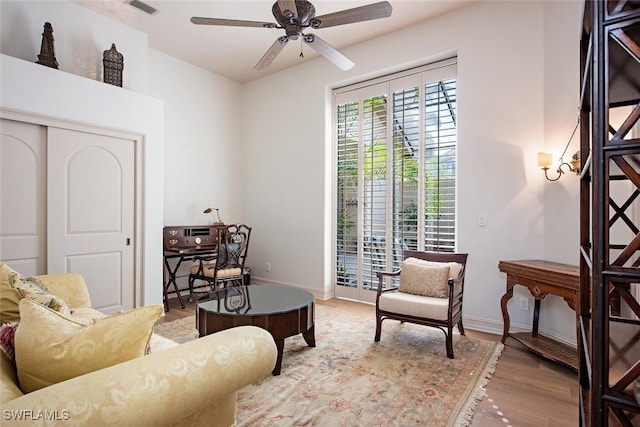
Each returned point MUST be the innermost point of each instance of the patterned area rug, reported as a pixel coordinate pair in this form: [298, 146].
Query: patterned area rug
[180, 331]
[348, 380]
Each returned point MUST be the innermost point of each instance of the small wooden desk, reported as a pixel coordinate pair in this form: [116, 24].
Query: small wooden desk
[542, 278]
[185, 242]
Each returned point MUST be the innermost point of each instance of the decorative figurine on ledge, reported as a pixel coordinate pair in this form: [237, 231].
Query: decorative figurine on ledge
[113, 62]
[47, 52]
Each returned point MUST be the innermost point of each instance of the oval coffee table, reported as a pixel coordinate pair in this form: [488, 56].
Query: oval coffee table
[284, 311]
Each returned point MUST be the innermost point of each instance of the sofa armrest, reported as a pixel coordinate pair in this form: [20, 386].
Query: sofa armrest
[71, 287]
[194, 384]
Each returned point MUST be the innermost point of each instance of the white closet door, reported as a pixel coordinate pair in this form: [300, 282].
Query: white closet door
[90, 220]
[22, 196]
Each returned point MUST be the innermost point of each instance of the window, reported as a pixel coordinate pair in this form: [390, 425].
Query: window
[395, 157]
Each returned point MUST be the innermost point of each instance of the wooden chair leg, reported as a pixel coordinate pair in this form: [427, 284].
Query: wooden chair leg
[460, 327]
[449, 340]
[191, 280]
[378, 328]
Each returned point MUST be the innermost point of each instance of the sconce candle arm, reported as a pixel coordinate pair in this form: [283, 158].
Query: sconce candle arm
[544, 160]
[562, 162]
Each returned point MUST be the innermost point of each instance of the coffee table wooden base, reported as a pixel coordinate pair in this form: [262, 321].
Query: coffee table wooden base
[281, 325]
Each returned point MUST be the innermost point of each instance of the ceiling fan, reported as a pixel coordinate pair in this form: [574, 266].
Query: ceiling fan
[294, 16]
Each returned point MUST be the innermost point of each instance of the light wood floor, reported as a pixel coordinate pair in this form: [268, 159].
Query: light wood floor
[525, 390]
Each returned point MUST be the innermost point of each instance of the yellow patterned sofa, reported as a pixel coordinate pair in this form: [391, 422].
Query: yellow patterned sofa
[191, 384]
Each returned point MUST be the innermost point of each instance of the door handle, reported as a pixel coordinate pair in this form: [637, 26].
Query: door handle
[128, 241]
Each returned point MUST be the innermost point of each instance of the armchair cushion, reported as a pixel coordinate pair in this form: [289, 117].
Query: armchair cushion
[414, 305]
[424, 278]
[67, 349]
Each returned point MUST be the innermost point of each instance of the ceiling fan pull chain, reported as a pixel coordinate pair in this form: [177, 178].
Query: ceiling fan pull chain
[301, 54]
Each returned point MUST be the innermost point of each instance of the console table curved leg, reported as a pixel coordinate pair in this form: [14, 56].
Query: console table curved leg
[505, 313]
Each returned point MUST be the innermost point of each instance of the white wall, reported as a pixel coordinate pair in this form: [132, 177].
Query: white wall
[502, 89]
[561, 198]
[81, 37]
[75, 93]
[47, 93]
[203, 163]
[204, 157]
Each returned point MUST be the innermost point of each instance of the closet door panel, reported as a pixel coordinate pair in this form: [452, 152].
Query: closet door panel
[23, 196]
[91, 213]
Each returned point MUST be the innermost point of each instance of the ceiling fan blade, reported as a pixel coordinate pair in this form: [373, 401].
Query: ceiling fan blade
[329, 52]
[288, 8]
[231, 22]
[271, 54]
[357, 14]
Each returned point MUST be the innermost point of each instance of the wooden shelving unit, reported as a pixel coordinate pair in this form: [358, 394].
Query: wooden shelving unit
[608, 327]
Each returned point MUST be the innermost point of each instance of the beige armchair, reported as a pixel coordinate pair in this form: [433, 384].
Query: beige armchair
[429, 293]
[191, 384]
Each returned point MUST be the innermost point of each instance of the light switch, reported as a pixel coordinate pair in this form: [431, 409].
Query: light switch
[482, 220]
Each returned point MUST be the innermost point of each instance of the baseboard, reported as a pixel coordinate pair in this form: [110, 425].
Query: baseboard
[323, 296]
[496, 327]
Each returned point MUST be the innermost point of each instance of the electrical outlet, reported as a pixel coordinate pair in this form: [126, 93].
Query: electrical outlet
[268, 266]
[524, 304]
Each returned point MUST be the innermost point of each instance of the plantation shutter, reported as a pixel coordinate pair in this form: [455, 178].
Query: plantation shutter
[347, 125]
[440, 165]
[395, 149]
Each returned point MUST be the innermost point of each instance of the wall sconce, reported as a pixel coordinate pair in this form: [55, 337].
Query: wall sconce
[545, 160]
[209, 210]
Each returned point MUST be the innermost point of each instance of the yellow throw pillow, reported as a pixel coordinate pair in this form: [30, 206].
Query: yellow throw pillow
[33, 289]
[51, 348]
[429, 279]
[9, 297]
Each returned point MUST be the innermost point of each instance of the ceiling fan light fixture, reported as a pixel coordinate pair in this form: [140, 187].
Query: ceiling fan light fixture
[296, 15]
[293, 32]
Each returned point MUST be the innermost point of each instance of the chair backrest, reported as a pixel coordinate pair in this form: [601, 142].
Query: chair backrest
[438, 256]
[428, 280]
[233, 245]
[460, 258]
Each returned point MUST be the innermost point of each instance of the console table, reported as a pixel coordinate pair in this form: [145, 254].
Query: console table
[542, 278]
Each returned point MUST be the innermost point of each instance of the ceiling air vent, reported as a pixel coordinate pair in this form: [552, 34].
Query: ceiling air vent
[142, 6]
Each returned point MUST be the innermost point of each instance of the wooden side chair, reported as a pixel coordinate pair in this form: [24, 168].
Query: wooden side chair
[429, 293]
[227, 267]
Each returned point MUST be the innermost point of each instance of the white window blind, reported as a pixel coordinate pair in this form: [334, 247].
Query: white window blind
[395, 156]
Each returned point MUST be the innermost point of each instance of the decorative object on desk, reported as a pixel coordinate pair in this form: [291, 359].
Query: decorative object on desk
[47, 51]
[545, 160]
[113, 63]
[210, 210]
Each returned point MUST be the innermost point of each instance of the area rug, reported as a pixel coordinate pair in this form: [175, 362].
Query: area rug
[349, 380]
[180, 331]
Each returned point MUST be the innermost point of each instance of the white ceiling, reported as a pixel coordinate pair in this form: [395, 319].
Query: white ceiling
[233, 51]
